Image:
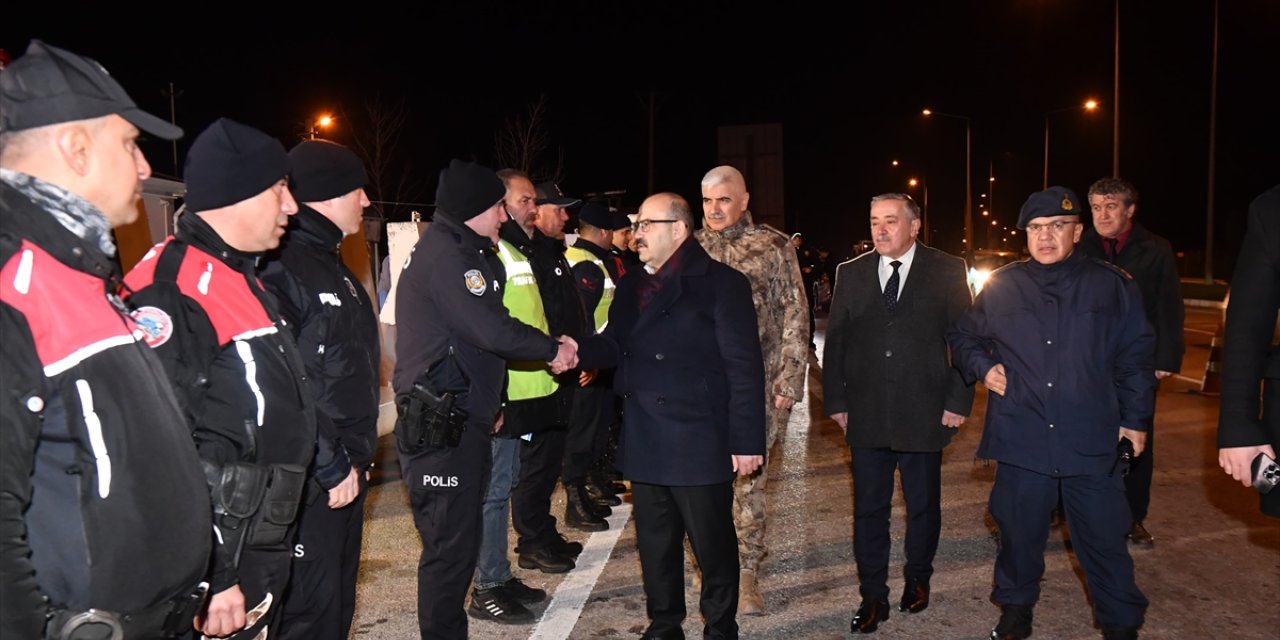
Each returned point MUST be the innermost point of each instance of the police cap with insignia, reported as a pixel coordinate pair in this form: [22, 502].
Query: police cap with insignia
[1054, 201]
[467, 190]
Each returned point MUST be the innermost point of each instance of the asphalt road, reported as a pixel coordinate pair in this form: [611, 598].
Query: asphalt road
[1214, 571]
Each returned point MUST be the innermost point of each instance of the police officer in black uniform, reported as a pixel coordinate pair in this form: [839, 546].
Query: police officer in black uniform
[333, 321]
[104, 517]
[456, 339]
[236, 368]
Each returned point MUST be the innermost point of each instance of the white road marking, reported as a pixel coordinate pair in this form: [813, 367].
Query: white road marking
[571, 596]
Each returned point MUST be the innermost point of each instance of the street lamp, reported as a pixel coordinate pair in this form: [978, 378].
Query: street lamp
[1089, 105]
[323, 122]
[968, 182]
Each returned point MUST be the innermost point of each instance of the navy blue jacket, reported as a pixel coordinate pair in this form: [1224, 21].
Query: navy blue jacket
[1078, 353]
[690, 372]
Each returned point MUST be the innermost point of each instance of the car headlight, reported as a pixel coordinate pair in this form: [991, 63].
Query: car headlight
[978, 278]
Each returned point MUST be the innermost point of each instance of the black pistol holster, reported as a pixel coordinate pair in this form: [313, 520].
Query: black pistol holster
[427, 420]
[431, 419]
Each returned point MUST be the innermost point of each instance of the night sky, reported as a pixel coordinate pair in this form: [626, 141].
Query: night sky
[846, 81]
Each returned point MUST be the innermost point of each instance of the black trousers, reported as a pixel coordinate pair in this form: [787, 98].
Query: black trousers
[264, 576]
[321, 599]
[1137, 485]
[588, 432]
[873, 485]
[663, 516]
[446, 490]
[540, 462]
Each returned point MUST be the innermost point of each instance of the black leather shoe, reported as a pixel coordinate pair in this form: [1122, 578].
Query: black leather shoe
[1015, 623]
[600, 495]
[546, 561]
[601, 509]
[565, 547]
[869, 616]
[1139, 537]
[607, 483]
[1119, 633]
[578, 511]
[915, 596]
[523, 593]
[675, 634]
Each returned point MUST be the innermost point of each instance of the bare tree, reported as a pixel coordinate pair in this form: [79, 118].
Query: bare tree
[523, 143]
[376, 133]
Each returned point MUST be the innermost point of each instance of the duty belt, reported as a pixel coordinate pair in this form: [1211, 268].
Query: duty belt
[161, 620]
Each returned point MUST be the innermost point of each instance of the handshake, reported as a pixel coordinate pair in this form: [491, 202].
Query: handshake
[566, 356]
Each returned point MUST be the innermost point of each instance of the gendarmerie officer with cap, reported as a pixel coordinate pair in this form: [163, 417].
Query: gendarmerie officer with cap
[236, 367]
[334, 324]
[453, 351]
[1063, 345]
[104, 517]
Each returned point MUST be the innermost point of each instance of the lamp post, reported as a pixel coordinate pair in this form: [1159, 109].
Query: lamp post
[1089, 105]
[968, 181]
[924, 209]
[912, 182]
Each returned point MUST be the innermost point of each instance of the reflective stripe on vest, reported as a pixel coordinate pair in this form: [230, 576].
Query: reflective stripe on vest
[577, 254]
[525, 380]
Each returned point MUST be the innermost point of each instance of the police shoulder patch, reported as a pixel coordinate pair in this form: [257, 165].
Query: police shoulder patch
[155, 324]
[475, 282]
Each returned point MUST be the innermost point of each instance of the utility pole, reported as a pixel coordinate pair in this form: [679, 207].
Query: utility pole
[1115, 104]
[1213, 127]
[172, 94]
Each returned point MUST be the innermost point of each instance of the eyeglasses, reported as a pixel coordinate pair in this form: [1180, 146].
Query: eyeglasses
[643, 225]
[1056, 226]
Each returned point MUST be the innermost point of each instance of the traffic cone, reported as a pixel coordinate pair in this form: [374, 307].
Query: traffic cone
[1212, 383]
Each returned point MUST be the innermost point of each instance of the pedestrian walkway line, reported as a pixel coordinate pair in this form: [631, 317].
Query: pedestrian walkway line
[571, 596]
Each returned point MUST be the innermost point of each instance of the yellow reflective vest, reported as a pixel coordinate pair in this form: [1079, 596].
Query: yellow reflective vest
[601, 315]
[525, 380]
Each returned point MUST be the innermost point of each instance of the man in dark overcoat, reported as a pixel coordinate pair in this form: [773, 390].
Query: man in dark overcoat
[682, 332]
[888, 382]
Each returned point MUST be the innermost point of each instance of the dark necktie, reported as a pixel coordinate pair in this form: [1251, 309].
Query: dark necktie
[891, 287]
[1109, 244]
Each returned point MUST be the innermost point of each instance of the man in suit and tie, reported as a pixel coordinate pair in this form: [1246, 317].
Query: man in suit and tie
[682, 333]
[888, 382]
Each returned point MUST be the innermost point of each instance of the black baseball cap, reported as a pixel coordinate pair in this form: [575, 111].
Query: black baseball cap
[549, 193]
[597, 214]
[49, 85]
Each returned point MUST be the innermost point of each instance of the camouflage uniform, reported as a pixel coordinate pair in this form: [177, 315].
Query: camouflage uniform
[766, 257]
